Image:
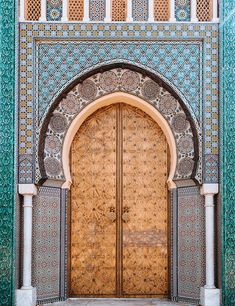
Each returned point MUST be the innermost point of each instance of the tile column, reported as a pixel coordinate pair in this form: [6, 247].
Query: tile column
[210, 295]
[26, 296]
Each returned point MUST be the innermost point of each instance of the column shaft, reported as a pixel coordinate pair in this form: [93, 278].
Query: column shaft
[22, 10]
[27, 261]
[43, 11]
[215, 17]
[64, 17]
[194, 11]
[129, 11]
[172, 11]
[210, 265]
[86, 17]
[108, 8]
[151, 11]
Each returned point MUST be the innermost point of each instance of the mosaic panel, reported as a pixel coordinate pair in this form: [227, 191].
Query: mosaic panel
[97, 10]
[25, 164]
[228, 158]
[46, 243]
[131, 82]
[211, 168]
[119, 8]
[78, 56]
[54, 10]
[196, 34]
[140, 10]
[76, 10]
[182, 10]
[33, 9]
[161, 10]
[204, 10]
[191, 243]
[7, 179]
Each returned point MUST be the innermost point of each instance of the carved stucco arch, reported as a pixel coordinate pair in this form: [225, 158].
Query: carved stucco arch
[119, 85]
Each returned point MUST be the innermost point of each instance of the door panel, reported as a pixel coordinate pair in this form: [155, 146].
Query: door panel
[119, 205]
[93, 206]
[145, 259]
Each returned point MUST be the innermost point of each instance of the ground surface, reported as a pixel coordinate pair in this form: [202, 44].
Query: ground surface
[118, 302]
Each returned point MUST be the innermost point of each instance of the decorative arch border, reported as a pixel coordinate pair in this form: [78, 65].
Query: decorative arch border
[119, 63]
[136, 88]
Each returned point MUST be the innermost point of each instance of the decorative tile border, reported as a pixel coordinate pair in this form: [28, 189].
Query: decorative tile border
[7, 127]
[227, 165]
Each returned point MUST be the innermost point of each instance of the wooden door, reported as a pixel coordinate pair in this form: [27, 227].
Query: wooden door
[119, 238]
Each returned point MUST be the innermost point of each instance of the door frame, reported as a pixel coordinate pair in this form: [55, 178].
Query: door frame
[113, 98]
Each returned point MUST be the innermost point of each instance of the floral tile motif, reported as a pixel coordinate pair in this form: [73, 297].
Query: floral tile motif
[182, 10]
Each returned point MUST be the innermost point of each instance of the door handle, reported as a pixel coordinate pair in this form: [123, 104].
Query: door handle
[125, 215]
[111, 214]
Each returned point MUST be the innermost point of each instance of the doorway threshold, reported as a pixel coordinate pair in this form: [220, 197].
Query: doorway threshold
[118, 302]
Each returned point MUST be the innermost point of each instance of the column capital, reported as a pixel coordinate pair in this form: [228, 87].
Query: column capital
[209, 189]
[27, 189]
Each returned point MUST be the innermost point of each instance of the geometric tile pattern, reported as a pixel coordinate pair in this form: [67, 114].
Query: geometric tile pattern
[60, 62]
[140, 10]
[228, 158]
[25, 162]
[182, 10]
[191, 243]
[128, 81]
[204, 35]
[46, 243]
[7, 143]
[211, 168]
[97, 10]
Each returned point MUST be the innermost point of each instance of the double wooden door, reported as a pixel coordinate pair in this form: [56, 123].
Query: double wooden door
[119, 214]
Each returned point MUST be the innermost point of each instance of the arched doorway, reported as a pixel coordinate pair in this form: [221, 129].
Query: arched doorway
[119, 208]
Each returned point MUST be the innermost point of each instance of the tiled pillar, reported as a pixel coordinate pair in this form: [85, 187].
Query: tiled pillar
[26, 296]
[210, 295]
